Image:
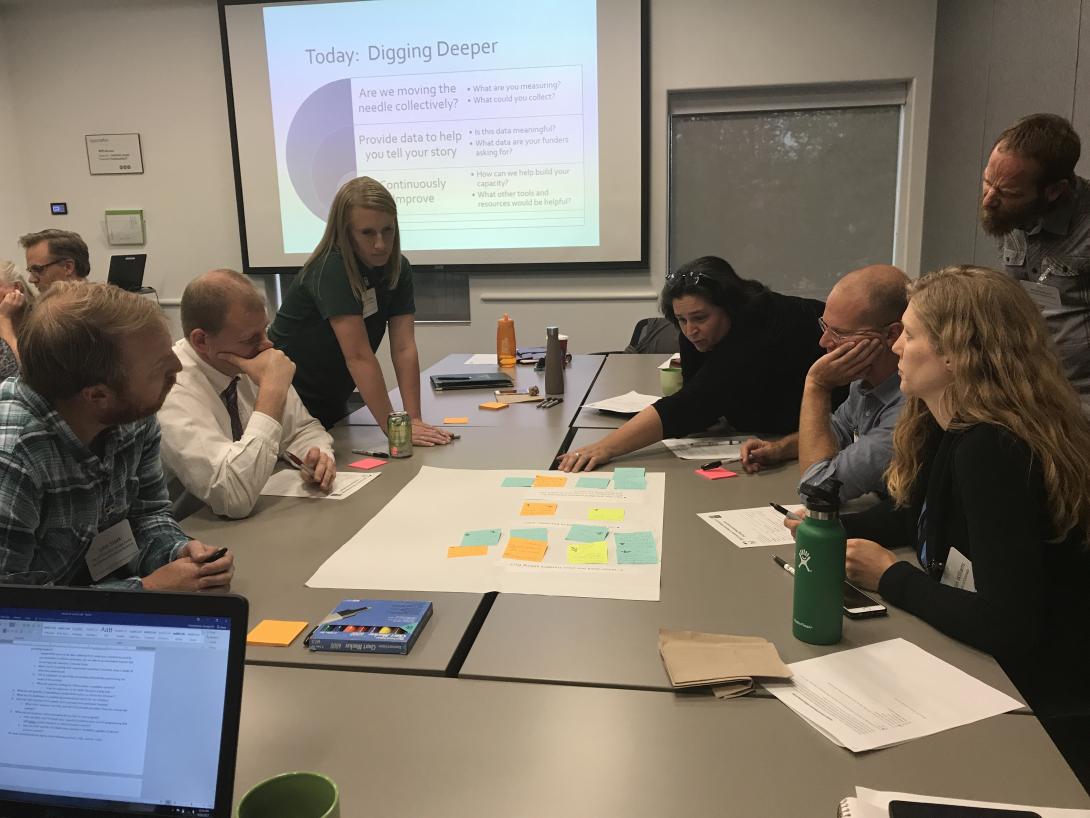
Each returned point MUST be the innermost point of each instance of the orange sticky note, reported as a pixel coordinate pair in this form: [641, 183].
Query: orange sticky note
[548, 481]
[493, 404]
[467, 551]
[529, 550]
[538, 509]
[274, 633]
[455, 420]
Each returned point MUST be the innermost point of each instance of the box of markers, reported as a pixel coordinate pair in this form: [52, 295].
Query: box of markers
[372, 626]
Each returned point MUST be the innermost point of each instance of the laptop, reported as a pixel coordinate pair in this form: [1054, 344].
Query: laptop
[118, 703]
[127, 272]
[471, 380]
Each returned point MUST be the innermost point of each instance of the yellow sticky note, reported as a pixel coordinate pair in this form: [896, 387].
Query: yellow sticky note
[588, 553]
[455, 420]
[529, 550]
[274, 633]
[548, 481]
[609, 514]
[467, 551]
[538, 509]
[493, 404]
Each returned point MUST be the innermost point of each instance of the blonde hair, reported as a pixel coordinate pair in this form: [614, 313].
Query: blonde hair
[72, 338]
[10, 278]
[1006, 372]
[363, 192]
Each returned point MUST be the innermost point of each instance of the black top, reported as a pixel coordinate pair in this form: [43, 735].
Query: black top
[302, 329]
[754, 376]
[985, 496]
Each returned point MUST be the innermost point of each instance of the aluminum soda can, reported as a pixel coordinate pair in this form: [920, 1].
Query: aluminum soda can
[399, 432]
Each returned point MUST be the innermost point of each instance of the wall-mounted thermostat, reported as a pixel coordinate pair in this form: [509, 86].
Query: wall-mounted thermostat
[59, 208]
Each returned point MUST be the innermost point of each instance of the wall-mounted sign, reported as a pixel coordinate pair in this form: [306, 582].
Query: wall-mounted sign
[114, 153]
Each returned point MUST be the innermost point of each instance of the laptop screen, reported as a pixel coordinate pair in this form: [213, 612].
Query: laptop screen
[119, 712]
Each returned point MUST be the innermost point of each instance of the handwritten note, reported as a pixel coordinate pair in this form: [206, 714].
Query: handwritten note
[606, 514]
[467, 551]
[636, 548]
[483, 536]
[527, 550]
[548, 481]
[587, 533]
[540, 510]
[588, 553]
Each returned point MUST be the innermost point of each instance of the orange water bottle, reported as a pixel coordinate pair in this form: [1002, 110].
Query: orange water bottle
[505, 341]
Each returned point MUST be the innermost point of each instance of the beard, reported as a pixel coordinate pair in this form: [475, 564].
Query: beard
[1001, 221]
[128, 410]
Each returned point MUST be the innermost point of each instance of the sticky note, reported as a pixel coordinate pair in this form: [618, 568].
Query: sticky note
[592, 483]
[367, 463]
[636, 548]
[527, 550]
[467, 551]
[548, 481]
[587, 533]
[621, 473]
[483, 536]
[718, 473]
[494, 405]
[631, 483]
[453, 421]
[588, 553]
[517, 482]
[605, 514]
[539, 534]
[274, 633]
[539, 510]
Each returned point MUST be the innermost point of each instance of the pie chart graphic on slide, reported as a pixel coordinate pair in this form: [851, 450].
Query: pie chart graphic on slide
[320, 152]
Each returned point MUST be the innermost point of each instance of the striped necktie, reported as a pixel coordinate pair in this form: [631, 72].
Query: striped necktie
[230, 397]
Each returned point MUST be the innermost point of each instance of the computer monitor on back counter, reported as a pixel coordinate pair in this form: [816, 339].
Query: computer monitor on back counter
[119, 703]
[127, 272]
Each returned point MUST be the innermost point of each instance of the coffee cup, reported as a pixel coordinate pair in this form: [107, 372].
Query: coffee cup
[291, 795]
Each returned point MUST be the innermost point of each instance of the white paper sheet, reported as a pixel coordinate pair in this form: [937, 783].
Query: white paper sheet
[880, 800]
[484, 358]
[404, 547]
[627, 404]
[705, 448]
[749, 527]
[289, 483]
[883, 694]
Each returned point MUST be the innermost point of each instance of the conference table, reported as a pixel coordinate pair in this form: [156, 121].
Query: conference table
[513, 704]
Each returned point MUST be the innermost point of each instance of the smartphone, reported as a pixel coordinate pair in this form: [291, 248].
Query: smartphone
[917, 809]
[857, 605]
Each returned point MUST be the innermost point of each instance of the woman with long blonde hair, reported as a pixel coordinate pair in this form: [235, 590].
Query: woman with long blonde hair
[15, 300]
[355, 284]
[991, 480]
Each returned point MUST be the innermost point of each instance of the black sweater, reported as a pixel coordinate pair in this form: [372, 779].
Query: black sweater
[985, 497]
[754, 376]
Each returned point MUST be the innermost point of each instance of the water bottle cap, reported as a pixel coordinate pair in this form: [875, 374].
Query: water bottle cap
[822, 497]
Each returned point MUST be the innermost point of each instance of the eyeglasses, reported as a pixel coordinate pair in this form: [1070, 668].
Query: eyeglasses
[687, 277]
[38, 269]
[840, 335]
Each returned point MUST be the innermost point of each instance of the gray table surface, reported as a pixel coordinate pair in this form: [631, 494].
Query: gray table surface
[707, 584]
[286, 539]
[620, 373]
[416, 746]
[435, 406]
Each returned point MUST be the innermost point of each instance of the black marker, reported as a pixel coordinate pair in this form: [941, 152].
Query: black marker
[219, 554]
[788, 514]
[715, 464]
[371, 454]
[788, 567]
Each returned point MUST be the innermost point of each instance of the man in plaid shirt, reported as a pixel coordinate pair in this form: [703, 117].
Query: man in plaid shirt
[82, 495]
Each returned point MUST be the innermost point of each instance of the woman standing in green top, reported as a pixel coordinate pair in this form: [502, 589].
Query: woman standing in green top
[335, 314]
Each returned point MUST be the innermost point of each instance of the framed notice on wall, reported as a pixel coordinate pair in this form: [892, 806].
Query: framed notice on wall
[114, 153]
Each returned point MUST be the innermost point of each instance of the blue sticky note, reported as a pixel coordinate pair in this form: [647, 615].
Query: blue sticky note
[631, 483]
[538, 534]
[625, 473]
[484, 536]
[592, 483]
[636, 548]
[634, 539]
[517, 482]
[587, 533]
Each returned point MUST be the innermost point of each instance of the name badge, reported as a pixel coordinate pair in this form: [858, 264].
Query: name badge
[958, 572]
[370, 302]
[1044, 296]
[110, 549]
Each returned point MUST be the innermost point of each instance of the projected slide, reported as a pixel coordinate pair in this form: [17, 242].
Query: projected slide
[482, 126]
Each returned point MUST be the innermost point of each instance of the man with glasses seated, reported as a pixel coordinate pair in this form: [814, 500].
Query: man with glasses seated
[854, 443]
[55, 255]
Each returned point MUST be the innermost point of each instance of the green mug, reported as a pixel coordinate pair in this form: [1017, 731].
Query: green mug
[670, 380]
[291, 795]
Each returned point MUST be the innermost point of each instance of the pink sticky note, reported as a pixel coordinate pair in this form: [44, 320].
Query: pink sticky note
[718, 473]
[367, 463]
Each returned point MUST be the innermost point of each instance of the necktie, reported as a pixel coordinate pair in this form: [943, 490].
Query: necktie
[230, 397]
[921, 537]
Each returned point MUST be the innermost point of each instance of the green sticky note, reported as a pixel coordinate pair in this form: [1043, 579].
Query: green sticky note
[483, 536]
[612, 515]
[626, 473]
[592, 483]
[621, 483]
[634, 539]
[539, 534]
[637, 554]
[517, 482]
[588, 553]
[587, 533]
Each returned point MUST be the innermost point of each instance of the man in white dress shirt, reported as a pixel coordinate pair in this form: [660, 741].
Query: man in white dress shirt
[233, 411]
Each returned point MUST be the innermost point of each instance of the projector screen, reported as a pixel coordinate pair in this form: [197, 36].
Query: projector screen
[512, 135]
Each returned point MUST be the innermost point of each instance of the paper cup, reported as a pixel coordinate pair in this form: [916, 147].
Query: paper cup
[670, 380]
[291, 795]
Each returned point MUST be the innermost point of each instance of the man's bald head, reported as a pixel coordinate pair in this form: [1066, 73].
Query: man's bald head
[208, 299]
[871, 296]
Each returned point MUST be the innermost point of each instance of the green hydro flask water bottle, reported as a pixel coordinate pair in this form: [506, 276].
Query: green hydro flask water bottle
[820, 543]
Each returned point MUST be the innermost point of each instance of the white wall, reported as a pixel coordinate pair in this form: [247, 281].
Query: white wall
[12, 194]
[154, 66]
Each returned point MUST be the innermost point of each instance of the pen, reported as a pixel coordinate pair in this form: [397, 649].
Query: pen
[299, 464]
[788, 567]
[715, 464]
[306, 641]
[788, 514]
[217, 554]
[370, 454]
